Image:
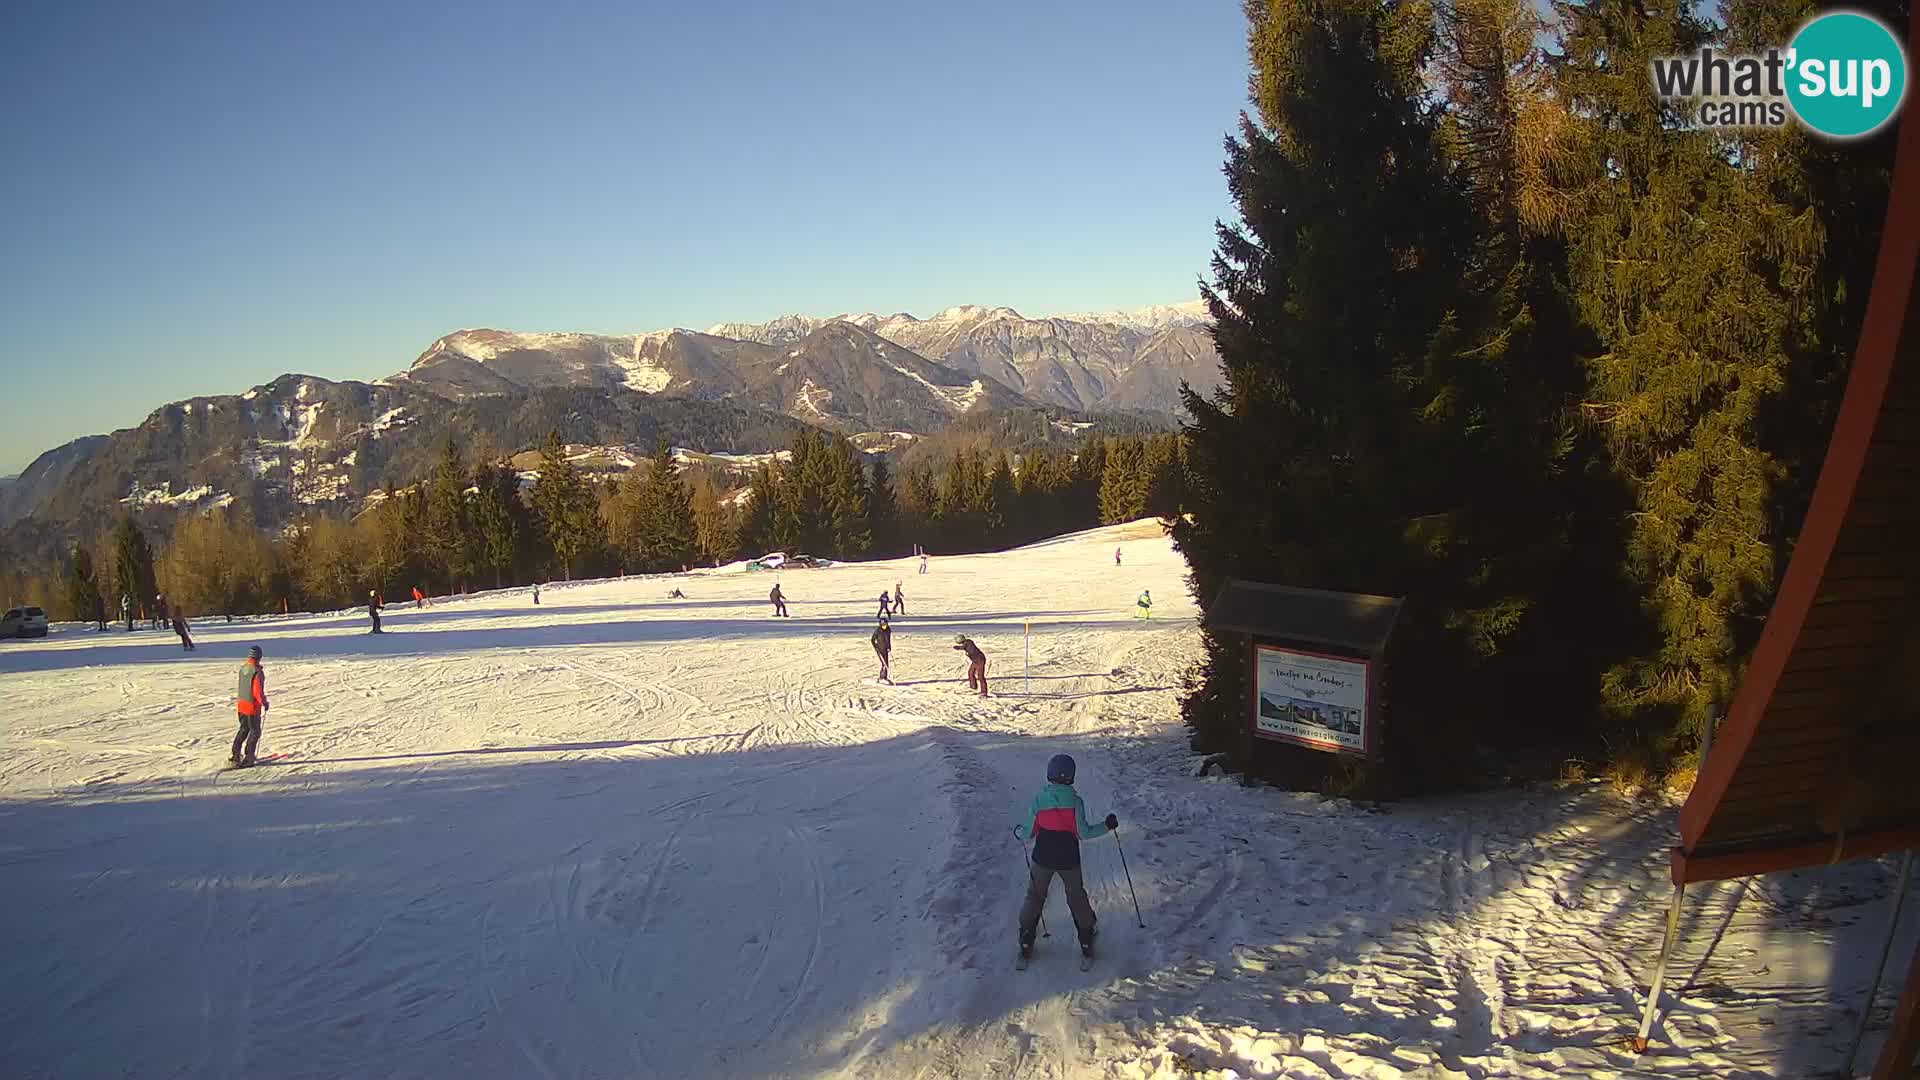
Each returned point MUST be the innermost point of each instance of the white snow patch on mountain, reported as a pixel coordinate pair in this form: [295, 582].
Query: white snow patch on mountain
[742, 461]
[162, 496]
[1190, 313]
[811, 397]
[392, 418]
[958, 398]
[644, 375]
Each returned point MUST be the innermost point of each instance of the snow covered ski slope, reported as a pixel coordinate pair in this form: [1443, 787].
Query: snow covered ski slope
[620, 836]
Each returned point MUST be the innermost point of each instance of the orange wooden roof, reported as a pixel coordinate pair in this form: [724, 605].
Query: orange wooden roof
[1818, 759]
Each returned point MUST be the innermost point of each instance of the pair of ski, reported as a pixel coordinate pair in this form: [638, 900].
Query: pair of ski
[1025, 957]
[230, 765]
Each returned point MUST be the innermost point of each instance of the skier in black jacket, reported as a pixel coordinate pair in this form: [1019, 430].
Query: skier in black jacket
[779, 601]
[373, 610]
[883, 648]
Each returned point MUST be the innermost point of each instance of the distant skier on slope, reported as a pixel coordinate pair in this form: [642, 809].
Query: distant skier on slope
[883, 648]
[126, 610]
[1144, 605]
[1056, 821]
[899, 600]
[419, 598]
[676, 595]
[180, 627]
[373, 610]
[779, 601]
[536, 594]
[923, 564]
[159, 610]
[1116, 556]
[886, 603]
[251, 704]
[976, 663]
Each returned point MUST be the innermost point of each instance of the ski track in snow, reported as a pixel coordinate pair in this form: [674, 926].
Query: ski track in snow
[614, 835]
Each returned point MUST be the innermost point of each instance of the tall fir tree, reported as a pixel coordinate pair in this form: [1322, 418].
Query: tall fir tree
[83, 589]
[567, 510]
[919, 507]
[717, 527]
[449, 538]
[1674, 255]
[133, 576]
[998, 515]
[1124, 481]
[759, 529]
[1328, 297]
[849, 519]
[498, 519]
[1840, 189]
[883, 510]
[667, 515]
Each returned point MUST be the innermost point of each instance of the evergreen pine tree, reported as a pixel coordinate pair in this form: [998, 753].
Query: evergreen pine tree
[758, 531]
[666, 522]
[567, 510]
[850, 520]
[1672, 250]
[1123, 484]
[883, 510]
[496, 519]
[449, 536]
[919, 506]
[716, 527]
[1328, 297]
[83, 590]
[132, 566]
[998, 513]
[952, 529]
[1089, 469]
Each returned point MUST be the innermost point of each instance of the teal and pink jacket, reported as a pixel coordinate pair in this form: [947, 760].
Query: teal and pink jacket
[1057, 821]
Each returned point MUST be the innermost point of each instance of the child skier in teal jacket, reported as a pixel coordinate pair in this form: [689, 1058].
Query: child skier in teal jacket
[1057, 822]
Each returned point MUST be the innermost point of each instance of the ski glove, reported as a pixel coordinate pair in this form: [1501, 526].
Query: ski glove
[1112, 823]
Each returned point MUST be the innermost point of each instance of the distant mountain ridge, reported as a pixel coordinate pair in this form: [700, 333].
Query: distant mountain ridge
[1132, 360]
[303, 443]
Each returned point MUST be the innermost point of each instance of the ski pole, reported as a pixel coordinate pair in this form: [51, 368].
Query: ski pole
[1129, 873]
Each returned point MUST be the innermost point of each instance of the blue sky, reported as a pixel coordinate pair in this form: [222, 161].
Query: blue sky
[200, 197]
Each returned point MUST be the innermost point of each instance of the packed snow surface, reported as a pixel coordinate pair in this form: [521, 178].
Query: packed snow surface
[617, 835]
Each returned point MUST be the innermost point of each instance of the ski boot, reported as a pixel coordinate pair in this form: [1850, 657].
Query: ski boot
[1026, 954]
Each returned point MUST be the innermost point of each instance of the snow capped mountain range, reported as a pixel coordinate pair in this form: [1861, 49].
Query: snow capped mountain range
[1132, 360]
[302, 442]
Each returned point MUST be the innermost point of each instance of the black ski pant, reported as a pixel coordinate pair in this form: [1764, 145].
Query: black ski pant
[883, 664]
[376, 621]
[247, 738]
[780, 608]
[1039, 882]
[977, 676]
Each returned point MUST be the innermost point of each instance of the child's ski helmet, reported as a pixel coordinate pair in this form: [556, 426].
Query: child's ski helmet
[1060, 769]
[253, 651]
[959, 639]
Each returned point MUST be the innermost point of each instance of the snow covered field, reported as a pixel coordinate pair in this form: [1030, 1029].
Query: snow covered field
[616, 835]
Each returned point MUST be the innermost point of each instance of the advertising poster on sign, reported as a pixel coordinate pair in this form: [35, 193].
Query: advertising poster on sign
[1315, 701]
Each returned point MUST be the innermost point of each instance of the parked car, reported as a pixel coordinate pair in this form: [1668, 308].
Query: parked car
[23, 622]
[772, 560]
